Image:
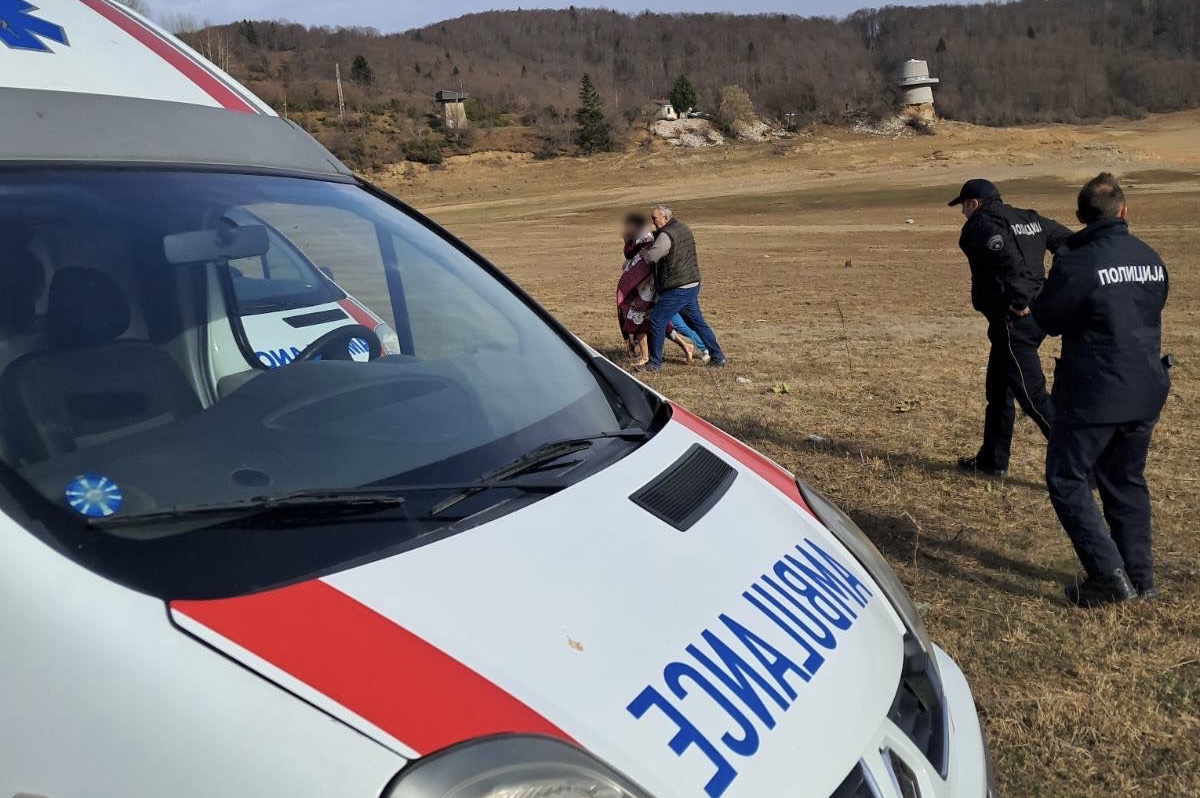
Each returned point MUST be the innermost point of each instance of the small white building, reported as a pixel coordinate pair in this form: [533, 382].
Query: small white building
[666, 112]
[916, 85]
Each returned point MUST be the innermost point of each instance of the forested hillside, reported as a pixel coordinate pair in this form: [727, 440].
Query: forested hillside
[1024, 61]
[1027, 61]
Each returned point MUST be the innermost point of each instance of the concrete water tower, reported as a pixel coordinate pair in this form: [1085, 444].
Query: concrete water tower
[916, 87]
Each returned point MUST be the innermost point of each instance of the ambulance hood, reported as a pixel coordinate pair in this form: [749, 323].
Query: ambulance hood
[752, 643]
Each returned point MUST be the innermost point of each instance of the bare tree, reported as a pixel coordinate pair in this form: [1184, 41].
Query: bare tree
[735, 110]
[181, 22]
[216, 44]
[138, 6]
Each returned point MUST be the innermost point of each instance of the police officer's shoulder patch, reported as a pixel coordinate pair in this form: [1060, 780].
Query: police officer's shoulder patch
[996, 243]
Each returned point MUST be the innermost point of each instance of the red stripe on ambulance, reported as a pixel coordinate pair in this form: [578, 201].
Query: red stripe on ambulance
[193, 71]
[360, 314]
[780, 479]
[371, 666]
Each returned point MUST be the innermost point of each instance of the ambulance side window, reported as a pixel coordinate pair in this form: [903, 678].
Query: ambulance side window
[344, 244]
[278, 264]
[249, 268]
[280, 278]
[443, 311]
[446, 316]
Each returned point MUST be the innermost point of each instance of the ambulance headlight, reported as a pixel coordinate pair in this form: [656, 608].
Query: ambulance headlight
[388, 338]
[511, 766]
[859, 545]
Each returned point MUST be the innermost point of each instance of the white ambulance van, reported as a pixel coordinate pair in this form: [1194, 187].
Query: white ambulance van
[258, 538]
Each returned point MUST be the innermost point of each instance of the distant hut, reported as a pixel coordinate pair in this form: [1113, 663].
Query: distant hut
[666, 112]
[454, 108]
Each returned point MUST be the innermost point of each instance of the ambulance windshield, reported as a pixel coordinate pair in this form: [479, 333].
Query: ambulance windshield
[177, 339]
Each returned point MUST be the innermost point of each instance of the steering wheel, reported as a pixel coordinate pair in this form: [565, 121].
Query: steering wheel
[335, 344]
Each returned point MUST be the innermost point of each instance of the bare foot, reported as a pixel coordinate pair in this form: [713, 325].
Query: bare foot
[689, 349]
[633, 364]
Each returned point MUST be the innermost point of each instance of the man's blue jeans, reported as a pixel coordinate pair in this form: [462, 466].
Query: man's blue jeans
[685, 302]
[681, 327]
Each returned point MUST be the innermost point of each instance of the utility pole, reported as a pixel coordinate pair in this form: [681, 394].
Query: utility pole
[337, 71]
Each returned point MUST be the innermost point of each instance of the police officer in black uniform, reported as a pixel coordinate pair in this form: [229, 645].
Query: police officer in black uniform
[1006, 249]
[1105, 297]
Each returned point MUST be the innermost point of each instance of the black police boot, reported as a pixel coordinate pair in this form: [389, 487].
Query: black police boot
[972, 466]
[1145, 591]
[1109, 588]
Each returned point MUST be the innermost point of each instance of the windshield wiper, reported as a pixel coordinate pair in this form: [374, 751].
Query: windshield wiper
[250, 306]
[322, 503]
[326, 502]
[348, 502]
[533, 460]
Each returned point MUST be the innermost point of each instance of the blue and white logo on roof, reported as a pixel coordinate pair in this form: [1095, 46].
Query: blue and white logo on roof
[21, 30]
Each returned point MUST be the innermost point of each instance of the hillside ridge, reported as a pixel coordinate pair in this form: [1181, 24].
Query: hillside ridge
[1016, 63]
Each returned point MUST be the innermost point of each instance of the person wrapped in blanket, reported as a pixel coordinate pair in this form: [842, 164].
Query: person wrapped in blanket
[636, 296]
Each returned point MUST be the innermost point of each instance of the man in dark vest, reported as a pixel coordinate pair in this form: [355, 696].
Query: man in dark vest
[1006, 249]
[1105, 297]
[677, 275]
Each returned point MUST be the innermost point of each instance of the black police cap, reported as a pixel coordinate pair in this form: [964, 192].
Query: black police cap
[977, 189]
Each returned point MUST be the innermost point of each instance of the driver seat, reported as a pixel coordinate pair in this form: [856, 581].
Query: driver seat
[90, 386]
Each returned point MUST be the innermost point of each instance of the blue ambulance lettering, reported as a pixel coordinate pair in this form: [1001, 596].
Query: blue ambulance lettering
[809, 595]
[20, 30]
[274, 358]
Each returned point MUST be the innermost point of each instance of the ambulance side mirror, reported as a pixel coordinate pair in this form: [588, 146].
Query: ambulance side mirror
[228, 242]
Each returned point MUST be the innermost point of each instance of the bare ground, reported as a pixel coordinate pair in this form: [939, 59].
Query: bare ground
[814, 279]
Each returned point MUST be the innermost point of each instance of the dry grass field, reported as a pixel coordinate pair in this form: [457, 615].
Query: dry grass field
[815, 279]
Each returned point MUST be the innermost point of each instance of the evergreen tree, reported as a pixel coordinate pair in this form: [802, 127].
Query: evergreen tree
[361, 72]
[248, 31]
[683, 94]
[593, 133]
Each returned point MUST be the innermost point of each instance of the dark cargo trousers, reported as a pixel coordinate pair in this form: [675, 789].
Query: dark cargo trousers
[1014, 372]
[1116, 454]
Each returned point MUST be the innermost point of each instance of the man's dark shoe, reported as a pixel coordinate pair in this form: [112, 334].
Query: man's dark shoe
[972, 465]
[647, 368]
[1145, 592]
[1110, 588]
[716, 364]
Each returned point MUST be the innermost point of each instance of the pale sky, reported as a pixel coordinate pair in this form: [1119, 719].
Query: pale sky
[400, 15]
